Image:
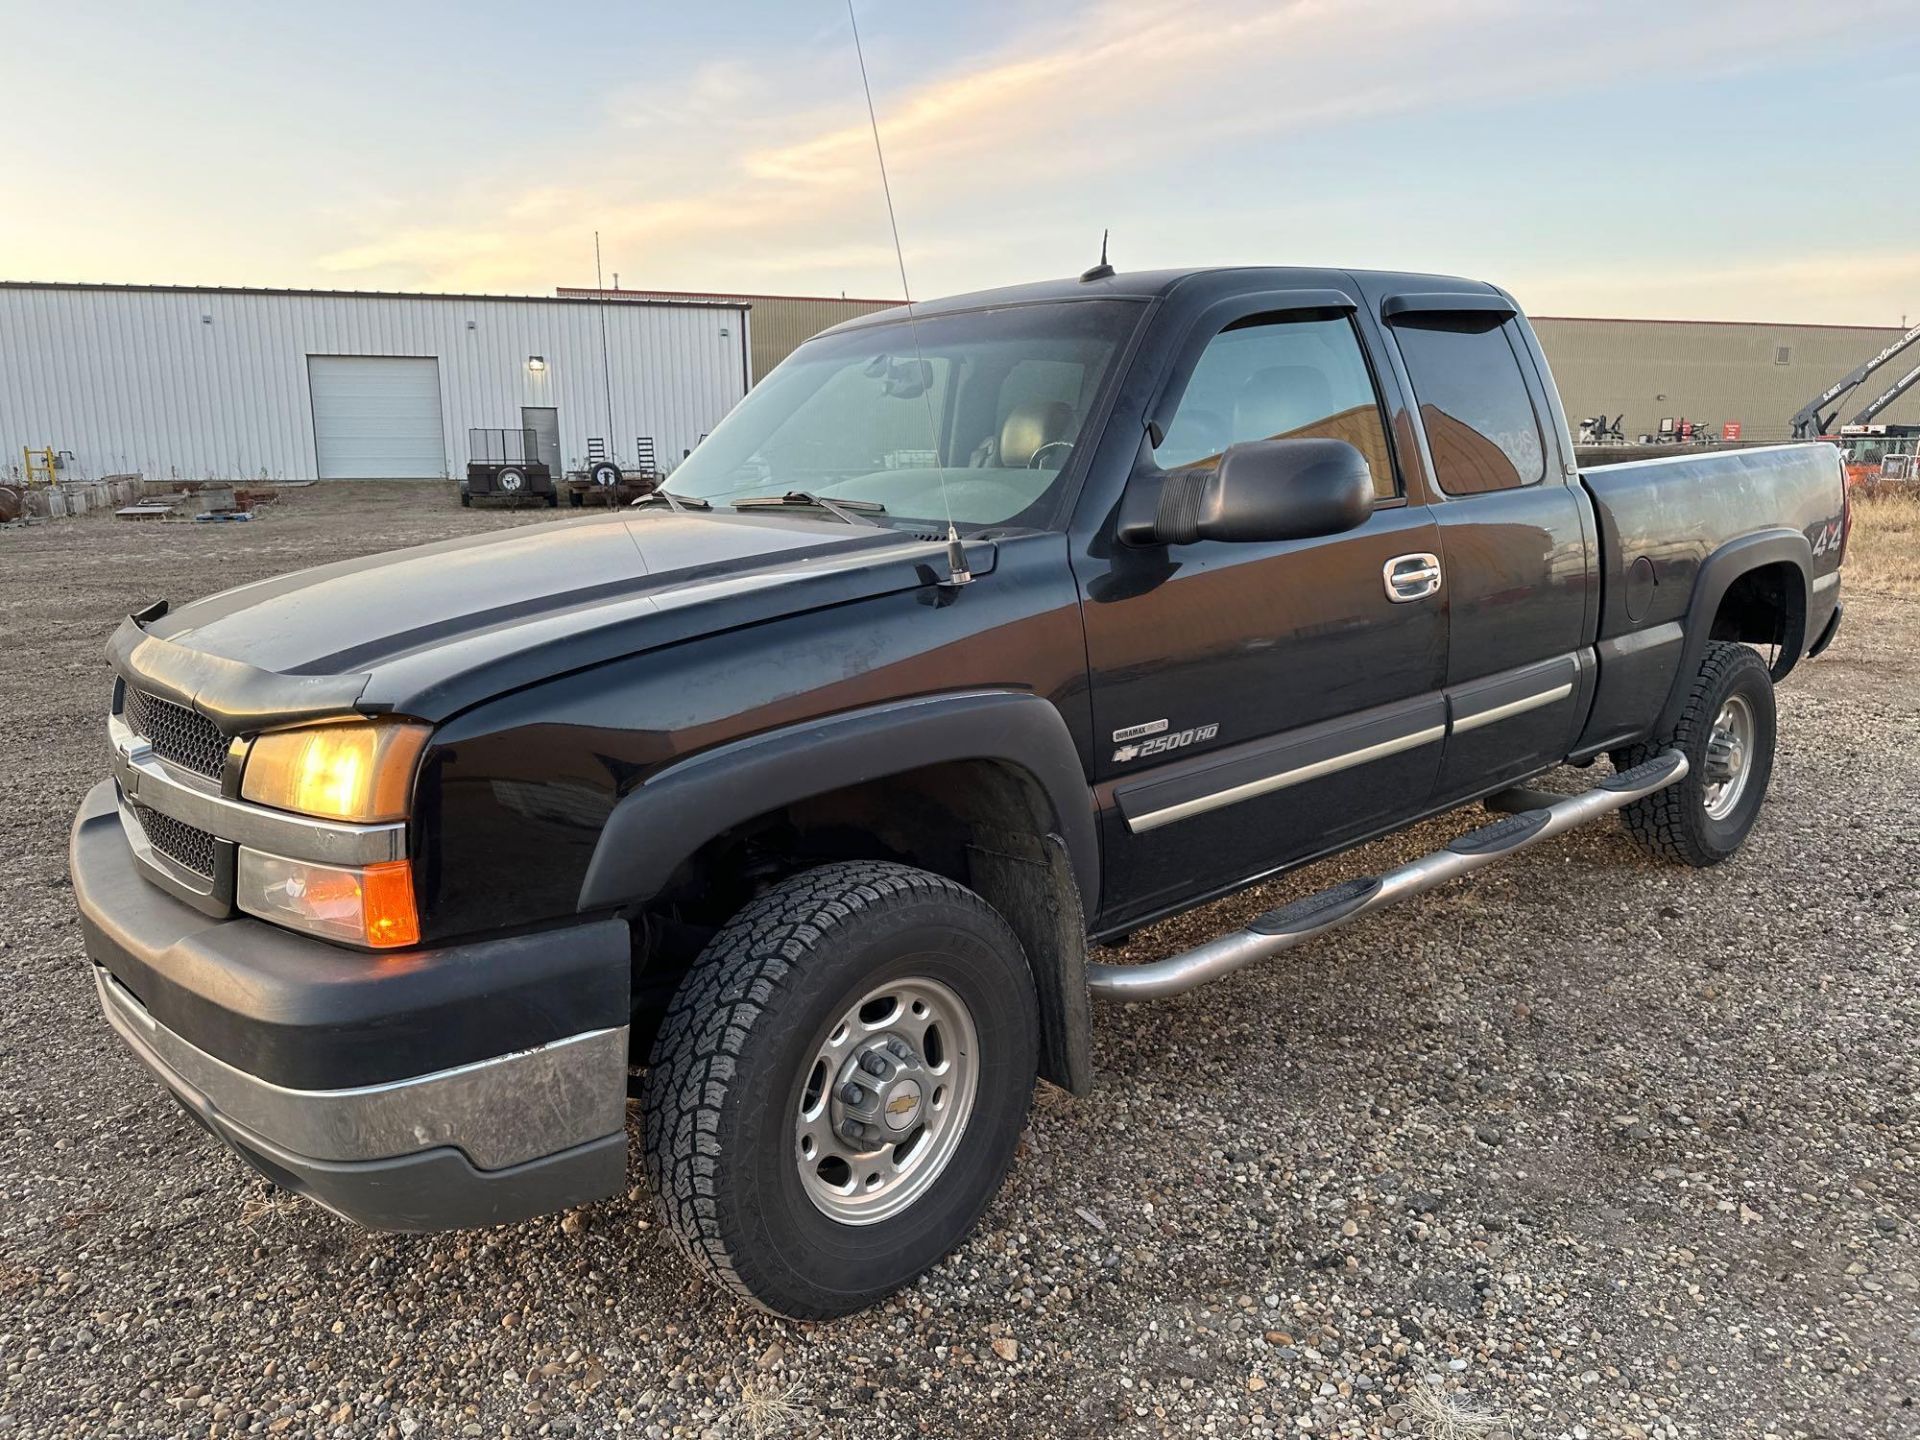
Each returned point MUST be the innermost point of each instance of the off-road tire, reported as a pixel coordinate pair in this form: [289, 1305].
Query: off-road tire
[1673, 823]
[736, 1046]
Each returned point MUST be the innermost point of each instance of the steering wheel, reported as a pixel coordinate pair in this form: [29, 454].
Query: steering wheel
[1033, 460]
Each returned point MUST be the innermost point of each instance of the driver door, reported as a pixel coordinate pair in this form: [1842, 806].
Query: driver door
[1256, 703]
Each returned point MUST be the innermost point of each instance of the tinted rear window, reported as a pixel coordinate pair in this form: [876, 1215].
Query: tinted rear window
[1473, 401]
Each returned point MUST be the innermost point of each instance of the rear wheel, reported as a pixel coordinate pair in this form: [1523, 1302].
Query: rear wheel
[1727, 732]
[839, 1084]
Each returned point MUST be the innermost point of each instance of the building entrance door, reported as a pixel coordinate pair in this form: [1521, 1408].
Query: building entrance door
[544, 421]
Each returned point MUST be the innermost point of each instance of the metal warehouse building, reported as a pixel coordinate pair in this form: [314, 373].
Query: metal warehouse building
[234, 384]
[1714, 371]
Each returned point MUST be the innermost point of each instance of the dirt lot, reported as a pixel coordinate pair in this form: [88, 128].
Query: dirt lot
[1580, 1146]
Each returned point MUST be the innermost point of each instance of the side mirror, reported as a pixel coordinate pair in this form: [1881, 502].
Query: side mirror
[1260, 490]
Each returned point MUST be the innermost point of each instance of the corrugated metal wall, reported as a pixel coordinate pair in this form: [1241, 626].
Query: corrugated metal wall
[781, 326]
[198, 384]
[1715, 372]
[780, 322]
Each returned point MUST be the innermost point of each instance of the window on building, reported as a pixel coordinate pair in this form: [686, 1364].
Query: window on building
[1280, 378]
[1473, 400]
[1783, 355]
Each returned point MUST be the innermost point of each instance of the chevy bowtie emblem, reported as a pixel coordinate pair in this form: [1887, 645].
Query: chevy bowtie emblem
[901, 1104]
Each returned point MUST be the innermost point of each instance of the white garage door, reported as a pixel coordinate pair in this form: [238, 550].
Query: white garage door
[376, 417]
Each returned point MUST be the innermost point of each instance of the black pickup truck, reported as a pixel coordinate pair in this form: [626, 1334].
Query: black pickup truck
[794, 800]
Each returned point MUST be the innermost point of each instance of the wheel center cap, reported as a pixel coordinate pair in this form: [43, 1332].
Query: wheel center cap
[1724, 756]
[880, 1097]
[902, 1105]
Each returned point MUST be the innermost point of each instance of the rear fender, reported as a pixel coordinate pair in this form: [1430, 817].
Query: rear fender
[1717, 576]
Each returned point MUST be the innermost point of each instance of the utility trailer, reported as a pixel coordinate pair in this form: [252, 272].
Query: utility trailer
[606, 482]
[504, 464]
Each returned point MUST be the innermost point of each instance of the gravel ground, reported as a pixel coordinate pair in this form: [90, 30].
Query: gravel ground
[1580, 1146]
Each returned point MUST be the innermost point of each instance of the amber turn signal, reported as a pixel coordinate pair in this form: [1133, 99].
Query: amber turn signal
[369, 905]
[353, 770]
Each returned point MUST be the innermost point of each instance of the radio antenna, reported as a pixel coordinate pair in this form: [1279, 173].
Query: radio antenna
[606, 366]
[957, 571]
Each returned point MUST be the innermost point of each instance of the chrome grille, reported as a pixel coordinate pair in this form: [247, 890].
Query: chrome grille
[187, 847]
[178, 735]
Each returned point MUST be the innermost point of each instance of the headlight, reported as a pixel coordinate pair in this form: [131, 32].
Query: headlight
[369, 905]
[355, 770]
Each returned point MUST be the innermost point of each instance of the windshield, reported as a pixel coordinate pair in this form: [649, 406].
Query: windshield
[979, 412]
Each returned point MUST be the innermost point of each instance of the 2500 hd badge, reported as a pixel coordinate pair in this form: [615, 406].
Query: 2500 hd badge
[1158, 743]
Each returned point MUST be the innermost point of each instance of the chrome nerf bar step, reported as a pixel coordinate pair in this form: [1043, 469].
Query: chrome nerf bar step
[1303, 920]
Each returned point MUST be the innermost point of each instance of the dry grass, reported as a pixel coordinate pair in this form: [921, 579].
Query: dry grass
[268, 1207]
[1883, 555]
[764, 1410]
[1443, 1416]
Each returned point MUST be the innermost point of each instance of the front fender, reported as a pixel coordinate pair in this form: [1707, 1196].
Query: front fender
[657, 826]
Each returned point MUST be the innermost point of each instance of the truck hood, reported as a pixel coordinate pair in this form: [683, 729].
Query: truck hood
[430, 630]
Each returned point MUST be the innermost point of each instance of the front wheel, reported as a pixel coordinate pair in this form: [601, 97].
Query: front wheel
[1727, 733]
[839, 1084]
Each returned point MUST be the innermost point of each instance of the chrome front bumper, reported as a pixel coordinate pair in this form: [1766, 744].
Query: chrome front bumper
[496, 1112]
[481, 1144]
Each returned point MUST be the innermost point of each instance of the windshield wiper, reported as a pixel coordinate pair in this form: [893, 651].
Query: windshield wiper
[676, 502]
[854, 512]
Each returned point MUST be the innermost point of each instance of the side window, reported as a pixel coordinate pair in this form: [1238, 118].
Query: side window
[1280, 378]
[1473, 401]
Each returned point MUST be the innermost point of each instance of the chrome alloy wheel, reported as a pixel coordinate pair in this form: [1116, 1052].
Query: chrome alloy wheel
[886, 1100]
[1729, 757]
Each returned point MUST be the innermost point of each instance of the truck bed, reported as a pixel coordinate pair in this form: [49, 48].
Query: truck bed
[1669, 529]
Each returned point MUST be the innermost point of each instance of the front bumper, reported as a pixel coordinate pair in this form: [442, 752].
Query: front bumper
[435, 1089]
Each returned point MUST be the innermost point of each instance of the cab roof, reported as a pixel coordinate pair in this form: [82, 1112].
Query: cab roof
[1155, 284]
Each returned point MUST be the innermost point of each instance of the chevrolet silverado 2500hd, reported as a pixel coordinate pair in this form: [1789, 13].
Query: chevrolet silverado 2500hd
[795, 795]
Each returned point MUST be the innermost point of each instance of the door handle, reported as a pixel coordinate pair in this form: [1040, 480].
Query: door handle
[1411, 577]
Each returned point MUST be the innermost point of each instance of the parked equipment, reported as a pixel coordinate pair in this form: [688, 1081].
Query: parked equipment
[504, 464]
[1813, 419]
[606, 482]
[1867, 450]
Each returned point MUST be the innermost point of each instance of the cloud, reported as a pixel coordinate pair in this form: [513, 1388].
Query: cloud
[750, 172]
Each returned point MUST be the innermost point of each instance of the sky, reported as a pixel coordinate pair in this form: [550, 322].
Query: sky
[1697, 159]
